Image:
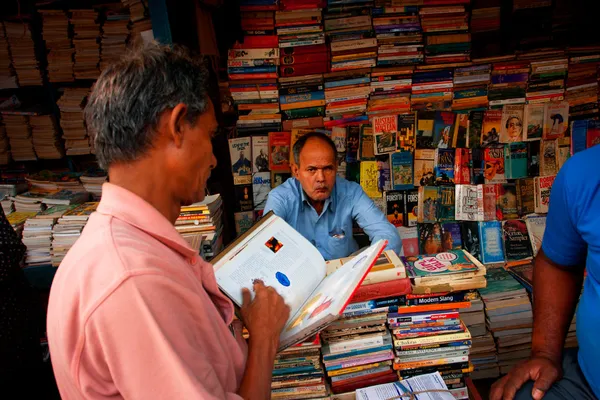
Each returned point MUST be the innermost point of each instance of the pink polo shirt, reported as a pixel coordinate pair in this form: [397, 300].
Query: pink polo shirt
[135, 313]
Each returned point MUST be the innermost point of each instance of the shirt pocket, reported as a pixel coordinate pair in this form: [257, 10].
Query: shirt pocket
[337, 243]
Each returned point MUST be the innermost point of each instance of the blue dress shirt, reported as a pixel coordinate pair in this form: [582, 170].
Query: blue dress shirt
[331, 232]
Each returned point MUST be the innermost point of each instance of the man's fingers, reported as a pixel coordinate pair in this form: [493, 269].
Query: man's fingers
[246, 297]
[515, 380]
[498, 389]
[258, 285]
[546, 378]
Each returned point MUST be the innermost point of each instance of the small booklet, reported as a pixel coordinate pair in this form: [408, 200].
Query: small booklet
[274, 252]
[422, 387]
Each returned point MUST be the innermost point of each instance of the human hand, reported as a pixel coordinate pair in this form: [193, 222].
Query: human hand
[265, 316]
[544, 371]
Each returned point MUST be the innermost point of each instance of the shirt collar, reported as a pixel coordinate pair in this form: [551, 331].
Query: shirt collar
[128, 207]
[329, 202]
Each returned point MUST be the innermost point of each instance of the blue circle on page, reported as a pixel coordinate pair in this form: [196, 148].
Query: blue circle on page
[282, 279]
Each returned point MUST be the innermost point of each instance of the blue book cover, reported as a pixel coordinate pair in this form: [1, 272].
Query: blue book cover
[492, 245]
[402, 170]
[451, 236]
[443, 129]
[301, 97]
[252, 70]
[444, 167]
[579, 131]
[347, 82]
[515, 160]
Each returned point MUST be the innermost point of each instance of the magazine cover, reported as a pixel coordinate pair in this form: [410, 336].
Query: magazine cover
[260, 153]
[443, 129]
[241, 166]
[446, 263]
[279, 155]
[490, 133]
[556, 117]
[406, 132]
[402, 170]
[385, 131]
[511, 130]
[534, 122]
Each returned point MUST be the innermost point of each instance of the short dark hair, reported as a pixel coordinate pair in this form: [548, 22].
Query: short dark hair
[126, 102]
[512, 117]
[300, 143]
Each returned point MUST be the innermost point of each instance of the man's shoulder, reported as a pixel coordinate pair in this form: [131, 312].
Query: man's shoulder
[290, 189]
[346, 188]
[580, 171]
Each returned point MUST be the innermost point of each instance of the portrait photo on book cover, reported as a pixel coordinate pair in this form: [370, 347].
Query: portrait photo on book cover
[274, 245]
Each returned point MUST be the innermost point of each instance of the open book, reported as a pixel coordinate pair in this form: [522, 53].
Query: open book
[277, 254]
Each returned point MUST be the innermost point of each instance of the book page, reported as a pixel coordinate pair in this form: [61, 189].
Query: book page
[279, 256]
[418, 384]
[331, 296]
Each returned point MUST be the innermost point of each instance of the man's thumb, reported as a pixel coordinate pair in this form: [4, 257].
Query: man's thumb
[543, 383]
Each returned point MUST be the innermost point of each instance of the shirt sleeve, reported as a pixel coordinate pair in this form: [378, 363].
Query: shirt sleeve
[152, 350]
[276, 203]
[373, 222]
[562, 241]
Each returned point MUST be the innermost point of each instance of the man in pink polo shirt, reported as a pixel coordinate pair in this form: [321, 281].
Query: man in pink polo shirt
[134, 313]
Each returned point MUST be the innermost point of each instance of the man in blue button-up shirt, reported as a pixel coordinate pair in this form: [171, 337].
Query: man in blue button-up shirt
[322, 206]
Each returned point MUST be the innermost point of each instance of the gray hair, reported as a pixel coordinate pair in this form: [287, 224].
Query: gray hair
[300, 143]
[124, 107]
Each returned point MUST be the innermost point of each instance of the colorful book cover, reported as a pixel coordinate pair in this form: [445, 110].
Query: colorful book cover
[444, 167]
[536, 226]
[243, 198]
[462, 171]
[402, 170]
[338, 135]
[515, 160]
[511, 129]
[366, 148]
[441, 264]
[517, 244]
[593, 133]
[278, 178]
[534, 122]
[490, 195]
[425, 120]
[443, 129]
[279, 151]
[260, 154]
[428, 203]
[384, 174]
[385, 131]
[549, 161]
[430, 238]
[499, 281]
[477, 166]
[451, 236]
[446, 203]
[506, 201]
[470, 238]
[369, 178]
[543, 186]
[533, 158]
[395, 207]
[474, 133]
[261, 186]
[406, 132]
[556, 120]
[243, 221]
[490, 132]
[241, 166]
[424, 167]
[352, 143]
[411, 214]
[563, 152]
[469, 203]
[492, 246]
[525, 196]
[460, 138]
[410, 240]
[494, 165]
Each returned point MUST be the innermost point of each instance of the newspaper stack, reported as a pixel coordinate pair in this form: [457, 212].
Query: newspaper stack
[87, 50]
[17, 220]
[4, 146]
[22, 52]
[37, 236]
[46, 137]
[68, 229]
[19, 135]
[71, 121]
[114, 37]
[59, 45]
[8, 79]
[7, 192]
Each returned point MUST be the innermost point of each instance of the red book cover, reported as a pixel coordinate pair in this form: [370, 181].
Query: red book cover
[273, 7]
[391, 377]
[258, 42]
[593, 134]
[462, 172]
[267, 75]
[303, 69]
[304, 123]
[298, 50]
[305, 58]
[279, 151]
[396, 287]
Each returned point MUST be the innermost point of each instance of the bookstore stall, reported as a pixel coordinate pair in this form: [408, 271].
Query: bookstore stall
[454, 117]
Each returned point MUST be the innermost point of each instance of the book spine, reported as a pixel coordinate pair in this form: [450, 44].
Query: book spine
[416, 319]
[358, 344]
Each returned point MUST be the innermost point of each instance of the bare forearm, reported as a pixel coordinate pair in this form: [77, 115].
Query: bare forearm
[555, 294]
[256, 384]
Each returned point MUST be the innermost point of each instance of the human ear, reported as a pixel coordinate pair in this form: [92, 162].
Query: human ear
[177, 123]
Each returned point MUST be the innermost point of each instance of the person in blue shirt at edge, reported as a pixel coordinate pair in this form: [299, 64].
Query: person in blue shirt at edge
[322, 206]
[571, 244]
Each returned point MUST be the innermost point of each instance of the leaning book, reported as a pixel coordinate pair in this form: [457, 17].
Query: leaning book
[275, 253]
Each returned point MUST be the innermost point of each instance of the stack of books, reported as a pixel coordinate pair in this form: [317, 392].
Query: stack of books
[508, 84]
[485, 17]
[37, 236]
[8, 79]
[446, 33]
[201, 225]
[582, 86]
[71, 120]
[302, 99]
[66, 197]
[18, 132]
[31, 201]
[139, 14]
[7, 193]
[46, 136]
[4, 146]
[115, 33]
[92, 181]
[347, 92]
[298, 372]
[484, 357]
[432, 90]
[68, 229]
[86, 32]
[390, 90]
[509, 317]
[471, 87]
[353, 54]
[17, 220]
[547, 81]
[399, 37]
[22, 51]
[59, 47]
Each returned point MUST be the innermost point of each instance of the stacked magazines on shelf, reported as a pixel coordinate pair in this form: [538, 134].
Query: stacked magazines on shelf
[201, 225]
